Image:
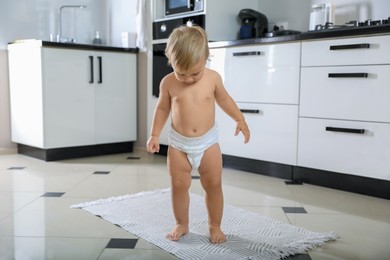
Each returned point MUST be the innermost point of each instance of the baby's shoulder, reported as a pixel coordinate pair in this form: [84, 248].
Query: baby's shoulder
[212, 73]
[168, 79]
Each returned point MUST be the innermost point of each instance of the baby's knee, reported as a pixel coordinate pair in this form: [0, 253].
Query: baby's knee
[212, 184]
[180, 185]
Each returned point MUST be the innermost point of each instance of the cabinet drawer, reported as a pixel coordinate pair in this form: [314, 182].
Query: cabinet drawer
[263, 73]
[273, 133]
[352, 51]
[336, 92]
[344, 147]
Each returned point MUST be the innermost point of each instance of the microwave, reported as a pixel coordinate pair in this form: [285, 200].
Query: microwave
[183, 7]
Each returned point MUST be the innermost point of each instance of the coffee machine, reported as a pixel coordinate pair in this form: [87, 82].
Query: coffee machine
[253, 24]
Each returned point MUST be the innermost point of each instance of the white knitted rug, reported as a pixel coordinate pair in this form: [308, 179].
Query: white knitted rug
[149, 216]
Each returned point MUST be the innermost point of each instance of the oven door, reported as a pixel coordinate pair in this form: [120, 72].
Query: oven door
[160, 67]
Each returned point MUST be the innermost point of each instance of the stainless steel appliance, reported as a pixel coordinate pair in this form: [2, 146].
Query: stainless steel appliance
[354, 24]
[183, 7]
[253, 23]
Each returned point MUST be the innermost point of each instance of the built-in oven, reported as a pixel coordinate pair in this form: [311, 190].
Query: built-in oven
[160, 66]
[161, 32]
[183, 7]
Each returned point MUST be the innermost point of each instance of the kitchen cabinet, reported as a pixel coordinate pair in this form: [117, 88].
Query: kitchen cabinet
[63, 97]
[264, 82]
[273, 133]
[263, 73]
[344, 112]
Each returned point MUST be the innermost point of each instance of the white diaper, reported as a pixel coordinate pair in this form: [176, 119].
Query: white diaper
[194, 147]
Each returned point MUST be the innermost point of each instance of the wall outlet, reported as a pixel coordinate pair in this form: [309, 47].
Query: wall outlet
[282, 25]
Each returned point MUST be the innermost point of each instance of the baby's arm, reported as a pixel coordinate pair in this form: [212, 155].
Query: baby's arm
[160, 117]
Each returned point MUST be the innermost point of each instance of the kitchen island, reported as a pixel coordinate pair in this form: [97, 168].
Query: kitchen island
[71, 100]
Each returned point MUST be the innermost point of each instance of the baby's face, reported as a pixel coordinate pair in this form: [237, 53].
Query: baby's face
[191, 75]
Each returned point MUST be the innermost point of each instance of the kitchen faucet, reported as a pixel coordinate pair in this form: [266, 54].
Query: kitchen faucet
[60, 19]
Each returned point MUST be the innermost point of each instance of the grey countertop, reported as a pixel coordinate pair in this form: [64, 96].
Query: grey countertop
[76, 46]
[80, 46]
[310, 35]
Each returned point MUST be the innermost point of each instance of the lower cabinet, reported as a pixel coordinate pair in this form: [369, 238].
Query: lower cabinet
[274, 130]
[62, 97]
[351, 147]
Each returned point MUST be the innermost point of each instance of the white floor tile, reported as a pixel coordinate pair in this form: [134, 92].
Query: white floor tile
[35, 227]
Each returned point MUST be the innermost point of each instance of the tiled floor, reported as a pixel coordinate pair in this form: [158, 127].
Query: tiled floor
[37, 223]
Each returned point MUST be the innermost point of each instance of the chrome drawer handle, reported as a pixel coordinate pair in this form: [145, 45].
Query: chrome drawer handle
[345, 130]
[349, 46]
[348, 75]
[250, 111]
[247, 53]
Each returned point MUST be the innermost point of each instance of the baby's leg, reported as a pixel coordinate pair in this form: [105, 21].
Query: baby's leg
[180, 171]
[210, 172]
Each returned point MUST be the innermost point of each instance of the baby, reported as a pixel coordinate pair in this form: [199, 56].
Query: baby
[189, 94]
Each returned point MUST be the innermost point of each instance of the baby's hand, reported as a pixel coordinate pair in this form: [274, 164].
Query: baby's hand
[153, 144]
[243, 128]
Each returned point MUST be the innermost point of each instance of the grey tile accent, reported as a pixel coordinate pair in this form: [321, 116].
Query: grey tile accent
[123, 243]
[294, 210]
[299, 257]
[101, 172]
[53, 194]
[133, 158]
[16, 168]
[195, 177]
[293, 182]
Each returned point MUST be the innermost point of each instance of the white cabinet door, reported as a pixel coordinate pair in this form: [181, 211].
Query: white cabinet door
[115, 95]
[216, 61]
[274, 130]
[263, 73]
[350, 51]
[345, 147]
[68, 103]
[346, 92]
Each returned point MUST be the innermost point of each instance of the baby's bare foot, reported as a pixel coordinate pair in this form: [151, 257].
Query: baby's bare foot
[177, 232]
[216, 235]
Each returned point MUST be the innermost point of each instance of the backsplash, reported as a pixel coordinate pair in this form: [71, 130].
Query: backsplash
[39, 19]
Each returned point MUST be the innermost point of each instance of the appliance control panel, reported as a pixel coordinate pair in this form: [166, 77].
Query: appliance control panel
[162, 29]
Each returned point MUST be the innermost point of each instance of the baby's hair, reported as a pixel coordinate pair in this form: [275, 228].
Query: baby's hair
[186, 46]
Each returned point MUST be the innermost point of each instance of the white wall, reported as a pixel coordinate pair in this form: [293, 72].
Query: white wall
[122, 15]
[296, 13]
[293, 13]
[24, 19]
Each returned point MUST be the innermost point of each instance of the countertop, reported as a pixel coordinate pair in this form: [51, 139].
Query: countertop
[310, 35]
[77, 46]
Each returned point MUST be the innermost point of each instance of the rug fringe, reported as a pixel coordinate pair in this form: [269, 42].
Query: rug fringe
[119, 198]
[315, 240]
